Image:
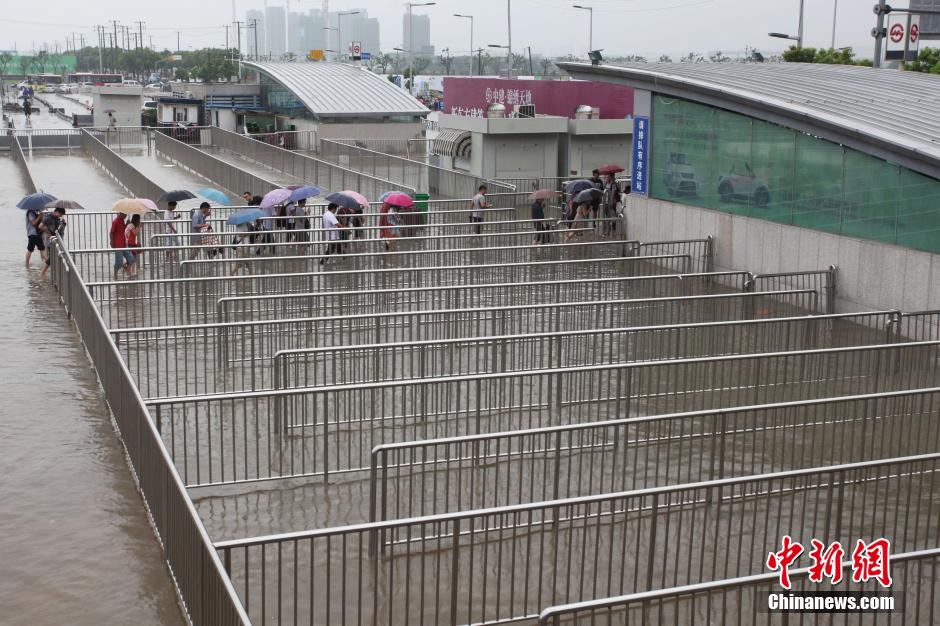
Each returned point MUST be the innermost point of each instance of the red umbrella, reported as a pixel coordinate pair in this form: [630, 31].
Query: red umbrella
[610, 168]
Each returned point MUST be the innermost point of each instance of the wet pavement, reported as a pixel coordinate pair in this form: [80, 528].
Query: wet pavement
[77, 547]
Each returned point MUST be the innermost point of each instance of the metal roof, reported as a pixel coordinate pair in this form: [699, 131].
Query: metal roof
[890, 114]
[340, 89]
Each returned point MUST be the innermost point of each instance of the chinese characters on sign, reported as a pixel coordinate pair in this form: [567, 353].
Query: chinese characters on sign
[870, 561]
[499, 95]
[641, 142]
[467, 111]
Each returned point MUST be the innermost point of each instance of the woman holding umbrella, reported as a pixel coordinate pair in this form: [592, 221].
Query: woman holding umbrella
[33, 204]
[123, 257]
[611, 196]
[390, 221]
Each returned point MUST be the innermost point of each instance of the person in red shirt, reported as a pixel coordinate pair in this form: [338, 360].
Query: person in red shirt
[123, 257]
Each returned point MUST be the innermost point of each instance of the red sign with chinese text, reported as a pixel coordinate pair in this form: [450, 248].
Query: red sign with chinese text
[472, 95]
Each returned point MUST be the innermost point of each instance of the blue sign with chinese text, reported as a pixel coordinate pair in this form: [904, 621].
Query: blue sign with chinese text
[641, 143]
[366, 56]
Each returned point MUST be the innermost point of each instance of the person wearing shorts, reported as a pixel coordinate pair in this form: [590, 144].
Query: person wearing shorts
[33, 236]
[123, 257]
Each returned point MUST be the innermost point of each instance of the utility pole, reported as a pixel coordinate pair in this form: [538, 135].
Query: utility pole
[114, 44]
[531, 71]
[509, 42]
[100, 30]
[470, 17]
[226, 27]
[140, 30]
[835, 13]
[178, 42]
[254, 27]
[879, 33]
[238, 30]
[480, 61]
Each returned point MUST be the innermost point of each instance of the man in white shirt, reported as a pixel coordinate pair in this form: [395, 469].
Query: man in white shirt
[332, 226]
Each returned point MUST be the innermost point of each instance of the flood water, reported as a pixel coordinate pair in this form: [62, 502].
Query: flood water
[75, 542]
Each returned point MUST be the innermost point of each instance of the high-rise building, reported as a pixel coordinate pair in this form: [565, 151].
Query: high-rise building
[362, 28]
[252, 34]
[275, 32]
[420, 43]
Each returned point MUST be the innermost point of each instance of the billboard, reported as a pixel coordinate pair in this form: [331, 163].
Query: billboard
[469, 95]
[316, 55]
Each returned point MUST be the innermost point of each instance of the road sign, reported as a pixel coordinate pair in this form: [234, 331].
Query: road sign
[903, 35]
[641, 144]
[355, 50]
[366, 56]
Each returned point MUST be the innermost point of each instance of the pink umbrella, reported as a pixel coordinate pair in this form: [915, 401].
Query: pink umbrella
[358, 197]
[399, 199]
[150, 204]
[542, 194]
[275, 197]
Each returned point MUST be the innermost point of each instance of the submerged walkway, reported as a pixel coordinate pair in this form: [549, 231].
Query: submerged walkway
[77, 546]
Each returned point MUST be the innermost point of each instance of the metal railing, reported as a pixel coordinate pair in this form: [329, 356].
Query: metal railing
[16, 151]
[219, 172]
[302, 167]
[433, 476]
[274, 306]
[413, 149]
[419, 175]
[198, 297]
[250, 436]
[917, 326]
[744, 599]
[206, 595]
[125, 174]
[244, 351]
[311, 367]
[301, 140]
[505, 564]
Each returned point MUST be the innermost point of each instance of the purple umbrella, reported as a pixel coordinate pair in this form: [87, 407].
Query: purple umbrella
[275, 197]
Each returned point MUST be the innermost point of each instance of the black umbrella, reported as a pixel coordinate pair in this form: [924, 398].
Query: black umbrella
[68, 205]
[587, 195]
[175, 196]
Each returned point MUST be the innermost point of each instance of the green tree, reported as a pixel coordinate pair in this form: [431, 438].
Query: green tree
[665, 58]
[547, 65]
[830, 56]
[928, 61]
[692, 57]
[447, 61]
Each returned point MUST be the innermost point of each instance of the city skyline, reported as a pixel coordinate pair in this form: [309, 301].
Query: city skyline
[638, 27]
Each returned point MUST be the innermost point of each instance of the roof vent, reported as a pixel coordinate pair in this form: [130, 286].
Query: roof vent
[496, 110]
[584, 112]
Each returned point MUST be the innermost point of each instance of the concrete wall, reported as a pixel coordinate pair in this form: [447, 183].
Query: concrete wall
[870, 275]
[223, 118]
[585, 152]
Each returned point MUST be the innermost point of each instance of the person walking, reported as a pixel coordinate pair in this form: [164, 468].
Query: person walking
[541, 226]
[611, 200]
[112, 123]
[247, 197]
[582, 221]
[598, 184]
[33, 236]
[332, 226]
[244, 238]
[169, 227]
[199, 226]
[123, 258]
[479, 203]
[131, 238]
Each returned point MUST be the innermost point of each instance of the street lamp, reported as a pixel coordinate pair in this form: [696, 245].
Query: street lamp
[590, 11]
[411, 37]
[470, 17]
[339, 30]
[799, 34]
[496, 45]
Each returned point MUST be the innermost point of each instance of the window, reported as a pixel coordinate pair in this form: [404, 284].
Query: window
[728, 162]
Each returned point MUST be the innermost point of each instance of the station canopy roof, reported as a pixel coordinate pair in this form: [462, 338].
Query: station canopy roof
[890, 114]
[340, 89]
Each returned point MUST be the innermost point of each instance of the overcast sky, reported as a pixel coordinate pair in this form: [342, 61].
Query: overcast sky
[644, 27]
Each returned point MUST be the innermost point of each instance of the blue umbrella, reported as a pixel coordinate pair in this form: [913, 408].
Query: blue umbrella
[36, 201]
[214, 195]
[343, 200]
[244, 216]
[304, 192]
[578, 185]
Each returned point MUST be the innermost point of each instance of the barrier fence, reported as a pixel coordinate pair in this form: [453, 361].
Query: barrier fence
[433, 476]
[223, 174]
[505, 564]
[250, 436]
[310, 367]
[198, 297]
[244, 351]
[125, 174]
[206, 595]
[305, 168]
[19, 157]
[745, 599]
